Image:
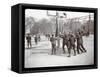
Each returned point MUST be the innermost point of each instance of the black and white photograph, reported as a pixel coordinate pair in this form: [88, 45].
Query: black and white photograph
[56, 38]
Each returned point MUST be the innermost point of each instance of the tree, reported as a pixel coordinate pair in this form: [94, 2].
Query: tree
[35, 29]
[29, 22]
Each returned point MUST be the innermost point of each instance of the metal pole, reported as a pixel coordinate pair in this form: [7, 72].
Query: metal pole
[57, 30]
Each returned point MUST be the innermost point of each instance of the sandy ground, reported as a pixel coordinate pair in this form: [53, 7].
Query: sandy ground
[40, 55]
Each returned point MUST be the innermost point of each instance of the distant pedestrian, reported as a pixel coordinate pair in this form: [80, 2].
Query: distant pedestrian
[39, 38]
[72, 43]
[80, 42]
[36, 39]
[66, 43]
[53, 43]
[28, 38]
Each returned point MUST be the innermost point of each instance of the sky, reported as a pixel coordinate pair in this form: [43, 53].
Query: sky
[40, 14]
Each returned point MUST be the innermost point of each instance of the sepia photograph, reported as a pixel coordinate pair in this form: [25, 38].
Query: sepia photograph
[56, 38]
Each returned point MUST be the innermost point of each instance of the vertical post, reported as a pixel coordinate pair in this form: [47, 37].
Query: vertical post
[57, 29]
[89, 24]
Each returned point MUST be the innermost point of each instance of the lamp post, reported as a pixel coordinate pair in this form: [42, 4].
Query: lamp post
[57, 25]
[57, 16]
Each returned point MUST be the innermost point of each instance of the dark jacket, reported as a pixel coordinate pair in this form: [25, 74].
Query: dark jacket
[53, 40]
[28, 38]
[79, 38]
[72, 40]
